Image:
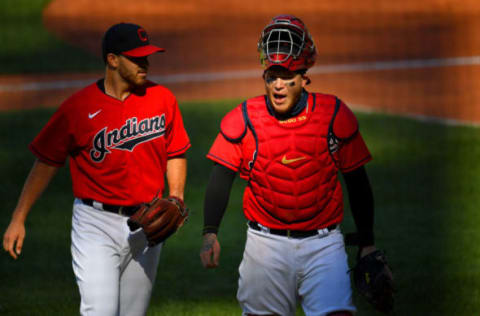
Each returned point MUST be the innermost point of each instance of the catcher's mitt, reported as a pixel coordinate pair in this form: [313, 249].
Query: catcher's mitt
[159, 219]
[373, 279]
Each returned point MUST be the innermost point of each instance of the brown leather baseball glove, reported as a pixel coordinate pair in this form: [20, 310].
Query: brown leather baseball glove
[159, 218]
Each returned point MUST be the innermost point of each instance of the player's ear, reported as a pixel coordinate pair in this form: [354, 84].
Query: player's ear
[112, 60]
[305, 81]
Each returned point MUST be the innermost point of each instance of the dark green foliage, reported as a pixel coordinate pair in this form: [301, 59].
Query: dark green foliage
[27, 47]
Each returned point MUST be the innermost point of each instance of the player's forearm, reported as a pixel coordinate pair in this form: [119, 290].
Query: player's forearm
[177, 176]
[361, 204]
[216, 197]
[36, 182]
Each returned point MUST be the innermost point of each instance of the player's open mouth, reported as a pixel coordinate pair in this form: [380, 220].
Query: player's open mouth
[279, 98]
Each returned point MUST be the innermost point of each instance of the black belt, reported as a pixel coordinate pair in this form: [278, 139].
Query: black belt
[289, 233]
[117, 209]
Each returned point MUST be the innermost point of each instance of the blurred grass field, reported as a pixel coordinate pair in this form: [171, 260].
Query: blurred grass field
[28, 48]
[425, 178]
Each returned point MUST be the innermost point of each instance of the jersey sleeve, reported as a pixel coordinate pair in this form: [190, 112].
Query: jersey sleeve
[353, 153]
[178, 141]
[55, 141]
[226, 153]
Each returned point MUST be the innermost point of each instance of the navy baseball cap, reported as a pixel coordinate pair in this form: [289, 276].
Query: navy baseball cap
[127, 39]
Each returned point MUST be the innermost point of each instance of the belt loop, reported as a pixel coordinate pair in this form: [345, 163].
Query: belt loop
[97, 205]
[323, 232]
[263, 228]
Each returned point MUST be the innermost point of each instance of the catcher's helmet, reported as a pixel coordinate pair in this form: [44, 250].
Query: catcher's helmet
[286, 42]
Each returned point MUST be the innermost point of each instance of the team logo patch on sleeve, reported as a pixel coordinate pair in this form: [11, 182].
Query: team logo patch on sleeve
[333, 143]
[129, 135]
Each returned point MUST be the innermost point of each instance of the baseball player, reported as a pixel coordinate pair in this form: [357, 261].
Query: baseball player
[290, 145]
[121, 135]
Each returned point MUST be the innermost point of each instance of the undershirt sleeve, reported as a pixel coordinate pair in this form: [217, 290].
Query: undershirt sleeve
[361, 200]
[216, 197]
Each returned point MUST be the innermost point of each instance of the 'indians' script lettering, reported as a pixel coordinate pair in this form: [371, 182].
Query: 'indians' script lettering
[127, 136]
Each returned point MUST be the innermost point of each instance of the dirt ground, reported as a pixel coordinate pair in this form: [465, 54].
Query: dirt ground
[204, 36]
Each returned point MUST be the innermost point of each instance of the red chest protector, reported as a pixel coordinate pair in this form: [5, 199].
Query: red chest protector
[289, 165]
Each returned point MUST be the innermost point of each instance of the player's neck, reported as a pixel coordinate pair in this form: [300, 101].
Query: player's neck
[116, 87]
[298, 108]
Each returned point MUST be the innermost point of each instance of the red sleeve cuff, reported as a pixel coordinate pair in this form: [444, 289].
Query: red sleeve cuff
[179, 151]
[44, 159]
[222, 162]
[357, 164]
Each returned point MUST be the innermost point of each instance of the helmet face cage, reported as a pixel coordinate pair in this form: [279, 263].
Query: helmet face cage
[281, 43]
[286, 42]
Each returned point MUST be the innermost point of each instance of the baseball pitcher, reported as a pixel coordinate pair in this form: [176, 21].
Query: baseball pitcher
[122, 135]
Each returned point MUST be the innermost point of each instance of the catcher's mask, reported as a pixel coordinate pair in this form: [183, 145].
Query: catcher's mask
[286, 42]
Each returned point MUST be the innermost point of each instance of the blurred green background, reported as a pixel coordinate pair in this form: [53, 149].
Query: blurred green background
[27, 47]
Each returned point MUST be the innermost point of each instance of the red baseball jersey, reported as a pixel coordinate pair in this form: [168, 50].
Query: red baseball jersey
[117, 150]
[291, 165]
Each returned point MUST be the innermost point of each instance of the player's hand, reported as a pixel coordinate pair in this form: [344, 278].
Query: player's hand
[13, 238]
[366, 250]
[210, 252]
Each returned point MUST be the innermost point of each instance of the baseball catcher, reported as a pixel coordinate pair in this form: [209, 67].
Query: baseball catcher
[373, 280]
[159, 218]
[291, 145]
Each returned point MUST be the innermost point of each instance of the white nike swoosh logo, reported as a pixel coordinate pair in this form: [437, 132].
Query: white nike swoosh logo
[92, 115]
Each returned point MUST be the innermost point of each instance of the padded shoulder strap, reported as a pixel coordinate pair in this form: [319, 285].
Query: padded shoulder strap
[233, 126]
[344, 124]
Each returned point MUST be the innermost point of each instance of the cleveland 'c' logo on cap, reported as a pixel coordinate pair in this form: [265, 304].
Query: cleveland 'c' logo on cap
[142, 34]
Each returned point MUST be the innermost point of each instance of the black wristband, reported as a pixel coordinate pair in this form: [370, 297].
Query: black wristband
[210, 230]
